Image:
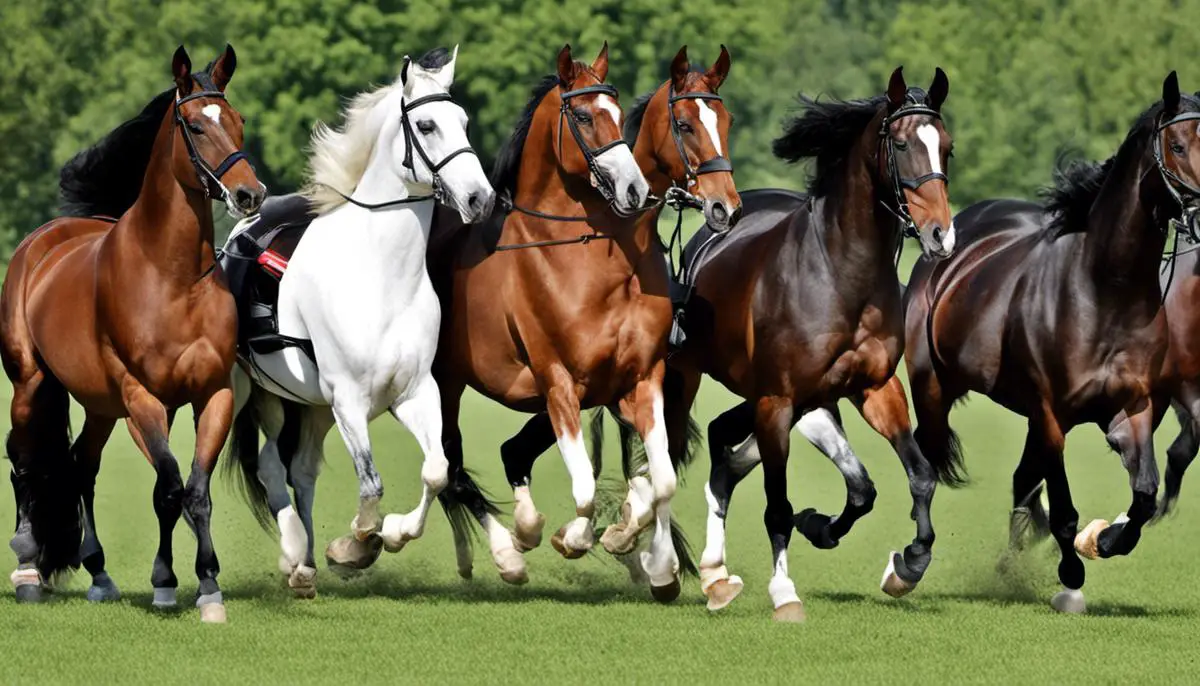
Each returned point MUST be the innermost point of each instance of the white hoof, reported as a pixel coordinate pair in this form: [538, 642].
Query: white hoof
[164, 598]
[396, 534]
[891, 583]
[1069, 601]
[721, 592]
[212, 613]
[511, 566]
[303, 582]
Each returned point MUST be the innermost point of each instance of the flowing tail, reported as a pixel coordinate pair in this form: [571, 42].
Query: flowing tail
[464, 502]
[943, 450]
[46, 480]
[243, 456]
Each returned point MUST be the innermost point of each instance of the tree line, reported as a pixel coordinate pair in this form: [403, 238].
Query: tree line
[1028, 78]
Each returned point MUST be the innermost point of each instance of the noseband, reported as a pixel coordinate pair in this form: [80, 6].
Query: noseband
[413, 142]
[1184, 193]
[709, 166]
[590, 155]
[210, 178]
[908, 226]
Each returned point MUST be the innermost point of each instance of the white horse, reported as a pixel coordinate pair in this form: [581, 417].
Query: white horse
[357, 288]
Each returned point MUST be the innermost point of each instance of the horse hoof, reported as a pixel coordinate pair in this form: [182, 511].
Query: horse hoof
[666, 594]
[790, 612]
[511, 566]
[392, 533]
[557, 540]
[212, 613]
[103, 591]
[722, 592]
[30, 593]
[617, 541]
[1087, 541]
[164, 599]
[303, 582]
[1070, 601]
[527, 535]
[347, 555]
[466, 573]
[891, 583]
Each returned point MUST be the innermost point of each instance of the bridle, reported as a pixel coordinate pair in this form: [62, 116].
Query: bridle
[712, 165]
[590, 155]
[914, 105]
[210, 178]
[413, 142]
[1184, 193]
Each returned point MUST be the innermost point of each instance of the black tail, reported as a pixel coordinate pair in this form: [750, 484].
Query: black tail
[465, 503]
[242, 465]
[46, 476]
[945, 456]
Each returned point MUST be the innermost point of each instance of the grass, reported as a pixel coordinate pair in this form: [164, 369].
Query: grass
[412, 620]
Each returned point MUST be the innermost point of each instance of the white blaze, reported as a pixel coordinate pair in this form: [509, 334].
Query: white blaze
[708, 117]
[608, 105]
[213, 112]
[928, 134]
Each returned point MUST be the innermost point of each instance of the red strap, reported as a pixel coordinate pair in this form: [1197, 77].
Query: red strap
[273, 262]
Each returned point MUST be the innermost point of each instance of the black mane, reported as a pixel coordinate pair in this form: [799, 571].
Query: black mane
[434, 59]
[106, 178]
[634, 117]
[826, 130]
[1077, 183]
[508, 160]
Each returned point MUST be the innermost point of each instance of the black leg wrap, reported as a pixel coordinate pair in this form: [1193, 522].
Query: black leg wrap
[815, 527]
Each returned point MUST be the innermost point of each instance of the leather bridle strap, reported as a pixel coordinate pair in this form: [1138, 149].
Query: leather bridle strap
[210, 178]
[603, 184]
[908, 225]
[709, 166]
[1185, 194]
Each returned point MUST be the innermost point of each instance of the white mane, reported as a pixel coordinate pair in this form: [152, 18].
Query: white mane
[340, 156]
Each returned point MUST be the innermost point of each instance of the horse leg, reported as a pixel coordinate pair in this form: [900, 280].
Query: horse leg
[574, 539]
[644, 409]
[304, 468]
[1028, 517]
[1131, 434]
[214, 416]
[87, 449]
[518, 454]
[823, 428]
[362, 547]
[269, 412]
[1044, 444]
[147, 425]
[733, 453]
[1183, 449]
[31, 415]
[421, 414]
[772, 431]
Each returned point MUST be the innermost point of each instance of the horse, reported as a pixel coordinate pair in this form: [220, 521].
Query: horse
[679, 133]
[1054, 312]
[801, 306]
[562, 303]
[119, 305]
[356, 294]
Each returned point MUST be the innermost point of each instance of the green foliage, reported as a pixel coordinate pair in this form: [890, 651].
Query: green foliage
[1028, 78]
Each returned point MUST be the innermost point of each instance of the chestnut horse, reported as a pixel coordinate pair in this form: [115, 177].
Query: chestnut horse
[131, 318]
[801, 306]
[577, 317]
[1055, 313]
[680, 138]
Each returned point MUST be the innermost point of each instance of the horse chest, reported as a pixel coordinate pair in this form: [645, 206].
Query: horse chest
[865, 358]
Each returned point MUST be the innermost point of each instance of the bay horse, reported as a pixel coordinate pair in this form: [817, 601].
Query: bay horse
[577, 317]
[802, 306]
[356, 289]
[679, 133]
[120, 306]
[1054, 312]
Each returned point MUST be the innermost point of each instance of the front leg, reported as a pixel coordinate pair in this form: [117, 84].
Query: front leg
[214, 415]
[1131, 434]
[574, 539]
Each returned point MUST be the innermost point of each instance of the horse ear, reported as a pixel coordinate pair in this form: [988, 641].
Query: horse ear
[897, 89]
[1171, 93]
[223, 68]
[566, 66]
[939, 89]
[404, 70]
[445, 76]
[679, 69]
[600, 64]
[720, 69]
[181, 69]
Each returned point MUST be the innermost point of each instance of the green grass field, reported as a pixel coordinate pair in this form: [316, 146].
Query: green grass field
[411, 619]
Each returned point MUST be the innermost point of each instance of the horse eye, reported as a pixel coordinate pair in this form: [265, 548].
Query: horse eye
[426, 126]
[1177, 148]
[685, 127]
[900, 145]
[195, 128]
[582, 117]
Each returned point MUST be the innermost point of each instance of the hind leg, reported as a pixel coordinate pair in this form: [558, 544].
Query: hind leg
[1028, 518]
[1045, 445]
[518, 454]
[26, 409]
[87, 449]
[823, 428]
[214, 416]
[1183, 449]
[1131, 434]
[733, 454]
[772, 431]
[421, 414]
[272, 473]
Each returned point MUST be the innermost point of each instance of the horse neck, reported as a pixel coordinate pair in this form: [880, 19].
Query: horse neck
[646, 147]
[389, 231]
[172, 224]
[1124, 240]
[859, 236]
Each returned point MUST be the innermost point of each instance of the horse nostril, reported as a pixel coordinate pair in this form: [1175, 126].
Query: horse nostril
[631, 197]
[473, 202]
[247, 199]
[720, 214]
[937, 233]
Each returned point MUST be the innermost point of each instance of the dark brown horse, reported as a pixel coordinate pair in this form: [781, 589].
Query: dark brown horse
[1054, 312]
[129, 317]
[579, 315]
[801, 306]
